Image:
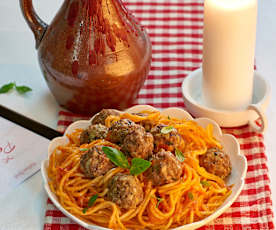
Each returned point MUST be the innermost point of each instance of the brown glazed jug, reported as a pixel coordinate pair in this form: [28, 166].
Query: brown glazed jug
[93, 55]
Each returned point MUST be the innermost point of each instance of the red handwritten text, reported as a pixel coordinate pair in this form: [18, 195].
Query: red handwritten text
[22, 172]
[7, 159]
[6, 151]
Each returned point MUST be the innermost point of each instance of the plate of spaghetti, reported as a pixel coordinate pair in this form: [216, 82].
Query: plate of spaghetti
[143, 169]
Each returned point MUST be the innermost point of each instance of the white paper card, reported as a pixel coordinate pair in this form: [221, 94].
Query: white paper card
[21, 152]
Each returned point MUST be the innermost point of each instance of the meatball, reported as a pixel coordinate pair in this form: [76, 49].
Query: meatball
[100, 117]
[216, 162]
[139, 143]
[169, 141]
[120, 129]
[93, 132]
[125, 191]
[147, 124]
[165, 168]
[95, 163]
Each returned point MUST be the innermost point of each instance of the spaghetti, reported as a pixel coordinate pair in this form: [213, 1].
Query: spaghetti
[195, 196]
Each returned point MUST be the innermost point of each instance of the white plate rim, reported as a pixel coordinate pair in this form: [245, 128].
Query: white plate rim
[173, 112]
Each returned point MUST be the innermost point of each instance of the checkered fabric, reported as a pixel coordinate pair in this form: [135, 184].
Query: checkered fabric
[175, 28]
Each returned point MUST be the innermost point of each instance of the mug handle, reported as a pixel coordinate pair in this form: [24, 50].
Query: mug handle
[262, 117]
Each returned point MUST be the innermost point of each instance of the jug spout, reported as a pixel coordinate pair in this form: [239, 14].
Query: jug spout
[34, 21]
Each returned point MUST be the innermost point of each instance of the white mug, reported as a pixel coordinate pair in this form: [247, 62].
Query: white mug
[192, 95]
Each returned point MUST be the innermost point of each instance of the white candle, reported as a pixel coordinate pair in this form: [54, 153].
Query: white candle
[228, 53]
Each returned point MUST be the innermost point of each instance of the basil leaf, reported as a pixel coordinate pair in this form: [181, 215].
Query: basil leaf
[6, 88]
[22, 89]
[204, 183]
[190, 195]
[92, 200]
[169, 117]
[139, 166]
[167, 129]
[90, 203]
[179, 155]
[116, 156]
[159, 200]
[83, 149]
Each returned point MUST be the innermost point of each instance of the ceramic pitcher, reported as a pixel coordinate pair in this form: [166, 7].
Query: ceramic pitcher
[93, 55]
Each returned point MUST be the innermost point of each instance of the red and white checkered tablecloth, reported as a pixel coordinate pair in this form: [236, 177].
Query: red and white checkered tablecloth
[175, 28]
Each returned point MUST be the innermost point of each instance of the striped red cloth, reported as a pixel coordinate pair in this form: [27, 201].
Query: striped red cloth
[175, 28]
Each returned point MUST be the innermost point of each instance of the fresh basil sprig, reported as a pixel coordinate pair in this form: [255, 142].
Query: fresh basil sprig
[7, 87]
[139, 166]
[190, 195]
[204, 183]
[159, 200]
[116, 156]
[90, 203]
[167, 129]
[84, 149]
[20, 89]
[179, 155]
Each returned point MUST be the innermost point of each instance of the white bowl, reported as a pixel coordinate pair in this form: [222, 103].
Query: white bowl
[230, 145]
[191, 91]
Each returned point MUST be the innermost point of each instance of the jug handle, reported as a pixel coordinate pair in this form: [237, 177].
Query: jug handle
[34, 21]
